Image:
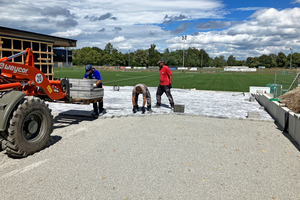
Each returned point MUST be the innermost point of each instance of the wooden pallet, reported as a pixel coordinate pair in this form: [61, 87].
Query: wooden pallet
[77, 101]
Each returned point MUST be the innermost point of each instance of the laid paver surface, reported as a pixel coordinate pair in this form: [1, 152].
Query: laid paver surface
[204, 103]
[157, 157]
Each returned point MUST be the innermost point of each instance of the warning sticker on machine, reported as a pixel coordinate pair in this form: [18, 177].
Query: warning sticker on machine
[49, 89]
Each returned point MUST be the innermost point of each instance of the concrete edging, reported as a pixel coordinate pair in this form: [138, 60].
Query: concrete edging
[286, 118]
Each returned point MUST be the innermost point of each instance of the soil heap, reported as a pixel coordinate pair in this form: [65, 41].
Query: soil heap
[292, 99]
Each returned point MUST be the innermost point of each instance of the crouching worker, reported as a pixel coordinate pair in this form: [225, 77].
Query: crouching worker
[92, 73]
[141, 88]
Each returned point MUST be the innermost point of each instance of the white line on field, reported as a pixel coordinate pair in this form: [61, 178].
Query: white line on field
[185, 77]
[129, 79]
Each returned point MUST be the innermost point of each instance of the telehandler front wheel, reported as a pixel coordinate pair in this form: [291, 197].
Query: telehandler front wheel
[29, 128]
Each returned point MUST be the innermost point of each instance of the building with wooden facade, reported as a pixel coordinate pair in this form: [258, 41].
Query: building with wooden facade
[13, 41]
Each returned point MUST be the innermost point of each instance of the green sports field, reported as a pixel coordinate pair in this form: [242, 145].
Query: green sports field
[218, 82]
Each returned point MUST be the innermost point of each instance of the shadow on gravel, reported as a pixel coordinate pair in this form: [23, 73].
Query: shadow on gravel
[53, 139]
[165, 105]
[71, 117]
[288, 136]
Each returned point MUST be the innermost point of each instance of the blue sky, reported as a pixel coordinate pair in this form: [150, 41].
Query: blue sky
[238, 28]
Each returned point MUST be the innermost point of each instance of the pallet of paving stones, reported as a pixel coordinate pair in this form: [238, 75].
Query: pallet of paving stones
[83, 89]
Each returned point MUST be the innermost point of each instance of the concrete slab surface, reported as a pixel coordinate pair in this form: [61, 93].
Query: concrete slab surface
[157, 157]
[205, 103]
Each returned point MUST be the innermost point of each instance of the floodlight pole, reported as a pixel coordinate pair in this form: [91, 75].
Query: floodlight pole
[66, 57]
[129, 58]
[291, 59]
[183, 38]
[201, 58]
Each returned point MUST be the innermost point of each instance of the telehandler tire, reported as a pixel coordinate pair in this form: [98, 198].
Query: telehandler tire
[29, 128]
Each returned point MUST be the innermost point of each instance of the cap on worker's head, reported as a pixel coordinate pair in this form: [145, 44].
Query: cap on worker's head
[161, 61]
[88, 69]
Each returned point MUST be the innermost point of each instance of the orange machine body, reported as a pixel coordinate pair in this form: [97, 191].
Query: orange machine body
[25, 77]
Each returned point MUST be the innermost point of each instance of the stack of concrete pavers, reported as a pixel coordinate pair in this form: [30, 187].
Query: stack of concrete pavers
[287, 119]
[84, 89]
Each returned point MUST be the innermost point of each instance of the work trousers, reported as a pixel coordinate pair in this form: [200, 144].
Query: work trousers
[160, 90]
[100, 103]
[148, 98]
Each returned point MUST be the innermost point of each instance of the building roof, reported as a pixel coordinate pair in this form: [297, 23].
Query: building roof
[57, 41]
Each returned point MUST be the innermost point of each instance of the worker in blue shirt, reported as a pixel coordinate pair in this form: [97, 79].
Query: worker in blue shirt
[92, 73]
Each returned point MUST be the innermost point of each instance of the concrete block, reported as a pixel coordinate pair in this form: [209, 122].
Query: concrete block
[280, 116]
[253, 115]
[297, 131]
[292, 124]
[179, 108]
[257, 97]
[254, 89]
[95, 93]
[265, 98]
[261, 99]
[272, 108]
[85, 84]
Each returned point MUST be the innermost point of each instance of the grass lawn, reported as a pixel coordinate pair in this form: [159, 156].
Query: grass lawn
[218, 82]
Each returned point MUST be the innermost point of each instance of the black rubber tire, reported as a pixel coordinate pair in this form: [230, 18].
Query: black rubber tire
[29, 128]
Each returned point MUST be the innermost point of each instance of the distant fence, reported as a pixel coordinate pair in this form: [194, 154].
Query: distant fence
[284, 80]
[208, 70]
[177, 69]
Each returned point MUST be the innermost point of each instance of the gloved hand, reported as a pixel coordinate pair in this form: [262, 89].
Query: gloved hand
[94, 85]
[143, 110]
[170, 85]
[134, 109]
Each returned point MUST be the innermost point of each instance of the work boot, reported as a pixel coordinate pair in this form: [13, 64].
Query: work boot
[157, 105]
[134, 110]
[172, 107]
[101, 110]
[149, 109]
[95, 113]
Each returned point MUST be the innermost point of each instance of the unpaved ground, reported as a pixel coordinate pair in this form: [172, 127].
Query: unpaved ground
[157, 157]
[292, 99]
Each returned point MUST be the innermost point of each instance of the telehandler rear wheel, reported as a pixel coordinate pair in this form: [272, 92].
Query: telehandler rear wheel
[29, 128]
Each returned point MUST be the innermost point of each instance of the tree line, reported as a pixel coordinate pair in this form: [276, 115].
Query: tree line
[109, 56]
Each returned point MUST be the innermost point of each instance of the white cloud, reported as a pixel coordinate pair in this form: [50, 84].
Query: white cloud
[69, 33]
[249, 8]
[118, 39]
[296, 1]
[268, 31]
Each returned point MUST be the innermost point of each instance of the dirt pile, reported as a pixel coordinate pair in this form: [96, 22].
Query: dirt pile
[292, 99]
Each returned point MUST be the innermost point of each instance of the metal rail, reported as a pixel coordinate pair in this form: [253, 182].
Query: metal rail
[13, 56]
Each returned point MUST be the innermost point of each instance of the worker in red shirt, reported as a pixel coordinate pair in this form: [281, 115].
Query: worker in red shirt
[164, 84]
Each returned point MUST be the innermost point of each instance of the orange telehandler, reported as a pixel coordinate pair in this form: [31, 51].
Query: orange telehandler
[25, 119]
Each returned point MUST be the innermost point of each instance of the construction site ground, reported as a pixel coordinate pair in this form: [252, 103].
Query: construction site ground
[204, 103]
[160, 155]
[157, 157]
